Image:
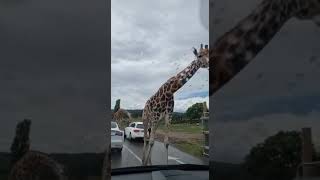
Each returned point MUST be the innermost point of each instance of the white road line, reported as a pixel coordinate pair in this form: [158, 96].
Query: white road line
[132, 153]
[137, 157]
[176, 159]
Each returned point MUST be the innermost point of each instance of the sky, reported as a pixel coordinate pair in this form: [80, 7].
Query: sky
[152, 41]
[53, 69]
[277, 91]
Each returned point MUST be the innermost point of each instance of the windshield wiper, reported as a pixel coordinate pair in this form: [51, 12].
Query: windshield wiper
[141, 169]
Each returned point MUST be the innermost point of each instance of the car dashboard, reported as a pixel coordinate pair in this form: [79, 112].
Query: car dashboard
[165, 175]
[170, 172]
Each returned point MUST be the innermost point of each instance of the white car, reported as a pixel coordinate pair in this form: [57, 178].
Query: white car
[117, 137]
[134, 130]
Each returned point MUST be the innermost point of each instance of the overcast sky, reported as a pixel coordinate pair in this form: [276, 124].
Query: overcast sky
[279, 90]
[151, 42]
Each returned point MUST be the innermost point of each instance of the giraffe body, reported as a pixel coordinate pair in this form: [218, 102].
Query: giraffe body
[161, 105]
[237, 47]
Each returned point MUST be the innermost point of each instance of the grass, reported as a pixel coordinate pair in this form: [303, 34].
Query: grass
[185, 128]
[194, 148]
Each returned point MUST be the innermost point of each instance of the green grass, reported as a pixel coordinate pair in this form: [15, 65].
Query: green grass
[194, 148]
[186, 128]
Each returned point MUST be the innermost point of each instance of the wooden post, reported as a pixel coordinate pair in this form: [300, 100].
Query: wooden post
[306, 152]
[306, 145]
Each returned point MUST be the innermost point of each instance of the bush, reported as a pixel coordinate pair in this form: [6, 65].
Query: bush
[277, 157]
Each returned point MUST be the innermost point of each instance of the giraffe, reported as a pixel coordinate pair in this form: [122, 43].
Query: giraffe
[120, 115]
[31, 165]
[237, 47]
[160, 105]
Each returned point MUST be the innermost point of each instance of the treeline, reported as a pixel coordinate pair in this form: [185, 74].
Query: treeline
[177, 117]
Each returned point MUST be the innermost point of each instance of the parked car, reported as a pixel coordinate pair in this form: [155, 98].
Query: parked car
[134, 130]
[117, 137]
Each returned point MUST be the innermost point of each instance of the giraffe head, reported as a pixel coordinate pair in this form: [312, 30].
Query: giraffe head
[202, 56]
[309, 9]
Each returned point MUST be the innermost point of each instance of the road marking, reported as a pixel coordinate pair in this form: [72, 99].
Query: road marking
[176, 159]
[132, 153]
[140, 160]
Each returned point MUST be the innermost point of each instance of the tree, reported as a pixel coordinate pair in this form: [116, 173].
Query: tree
[277, 157]
[195, 111]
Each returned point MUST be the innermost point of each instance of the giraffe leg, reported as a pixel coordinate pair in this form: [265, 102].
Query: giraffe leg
[166, 136]
[150, 145]
[144, 150]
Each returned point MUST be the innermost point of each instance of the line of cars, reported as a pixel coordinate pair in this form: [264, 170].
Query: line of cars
[135, 130]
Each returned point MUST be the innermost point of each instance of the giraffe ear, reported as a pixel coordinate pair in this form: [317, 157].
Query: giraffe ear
[195, 52]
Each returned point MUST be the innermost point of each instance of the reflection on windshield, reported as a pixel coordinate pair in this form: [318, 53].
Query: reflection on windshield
[165, 99]
[266, 123]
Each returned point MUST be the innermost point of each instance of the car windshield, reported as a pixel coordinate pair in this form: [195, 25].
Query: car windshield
[139, 126]
[150, 45]
[113, 125]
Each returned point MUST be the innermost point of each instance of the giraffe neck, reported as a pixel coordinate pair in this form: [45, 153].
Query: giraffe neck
[236, 48]
[176, 82]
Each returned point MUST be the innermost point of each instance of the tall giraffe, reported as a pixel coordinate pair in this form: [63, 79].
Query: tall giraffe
[31, 165]
[161, 104]
[237, 47]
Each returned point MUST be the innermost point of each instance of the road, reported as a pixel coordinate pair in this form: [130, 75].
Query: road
[131, 155]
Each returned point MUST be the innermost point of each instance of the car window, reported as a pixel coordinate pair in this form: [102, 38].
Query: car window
[46, 79]
[262, 111]
[140, 126]
[113, 125]
[144, 66]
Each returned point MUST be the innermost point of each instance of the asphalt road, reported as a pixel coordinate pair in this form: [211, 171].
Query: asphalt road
[131, 155]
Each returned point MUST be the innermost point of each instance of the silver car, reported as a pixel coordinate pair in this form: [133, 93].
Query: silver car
[117, 137]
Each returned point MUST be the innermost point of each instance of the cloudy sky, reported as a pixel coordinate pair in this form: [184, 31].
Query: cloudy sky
[279, 90]
[151, 42]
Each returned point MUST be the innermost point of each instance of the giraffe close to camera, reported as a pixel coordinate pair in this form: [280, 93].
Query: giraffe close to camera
[161, 104]
[28, 164]
[239, 46]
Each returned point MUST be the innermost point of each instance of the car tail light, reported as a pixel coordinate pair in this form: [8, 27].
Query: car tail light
[118, 133]
[136, 130]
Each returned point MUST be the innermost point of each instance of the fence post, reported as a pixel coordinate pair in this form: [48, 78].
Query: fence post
[306, 151]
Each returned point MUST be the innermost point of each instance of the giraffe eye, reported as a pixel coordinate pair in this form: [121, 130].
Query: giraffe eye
[200, 56]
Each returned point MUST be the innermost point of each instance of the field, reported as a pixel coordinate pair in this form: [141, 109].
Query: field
[184, 136]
